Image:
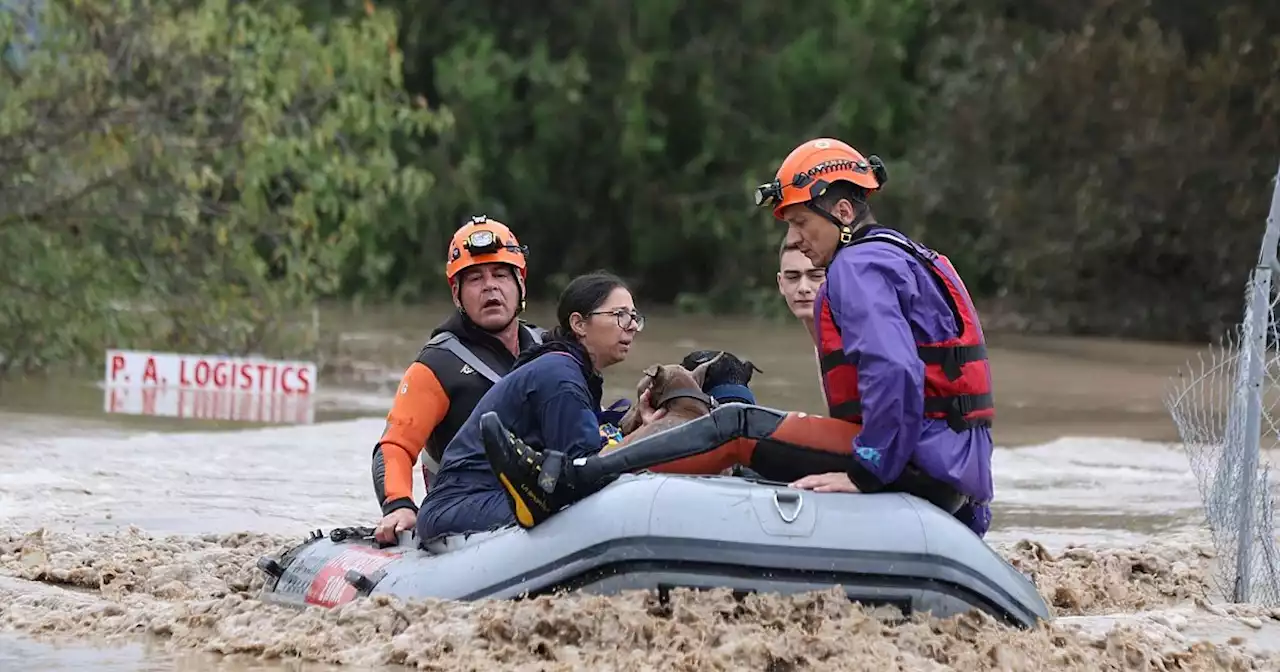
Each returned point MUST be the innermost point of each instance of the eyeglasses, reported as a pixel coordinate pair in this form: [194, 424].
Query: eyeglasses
[625, 317]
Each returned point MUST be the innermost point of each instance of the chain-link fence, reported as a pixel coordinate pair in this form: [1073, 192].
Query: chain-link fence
[1226, 406]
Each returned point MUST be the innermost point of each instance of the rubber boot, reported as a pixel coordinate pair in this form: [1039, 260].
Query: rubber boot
[529, 477]
[696, 437]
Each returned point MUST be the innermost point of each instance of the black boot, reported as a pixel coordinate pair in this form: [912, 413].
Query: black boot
[698, 436]
[532, 479]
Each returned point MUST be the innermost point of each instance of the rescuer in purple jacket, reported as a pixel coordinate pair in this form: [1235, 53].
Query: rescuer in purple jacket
[903, 360]
[900, 344]
[891, 378]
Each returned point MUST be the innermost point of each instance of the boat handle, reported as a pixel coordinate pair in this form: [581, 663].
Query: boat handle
[790, 497]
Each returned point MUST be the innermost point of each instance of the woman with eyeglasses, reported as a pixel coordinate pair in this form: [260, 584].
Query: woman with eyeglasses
[550, 398]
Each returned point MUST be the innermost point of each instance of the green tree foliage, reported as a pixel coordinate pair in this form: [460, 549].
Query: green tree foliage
[1099, 167]
[629, 136]
[186, 175]
[1102, 167]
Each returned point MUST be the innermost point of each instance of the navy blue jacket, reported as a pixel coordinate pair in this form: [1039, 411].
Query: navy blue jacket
[551, 398]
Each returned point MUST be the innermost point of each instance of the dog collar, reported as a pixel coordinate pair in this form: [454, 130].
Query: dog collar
[686, 393]
[729, 393]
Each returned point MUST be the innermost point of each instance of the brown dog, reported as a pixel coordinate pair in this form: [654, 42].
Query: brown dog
[673, 387]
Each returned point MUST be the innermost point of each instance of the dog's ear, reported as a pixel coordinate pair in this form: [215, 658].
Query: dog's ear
[746, 369]
[700, 374]
[658, 374]
[646, 380]
[652, 376]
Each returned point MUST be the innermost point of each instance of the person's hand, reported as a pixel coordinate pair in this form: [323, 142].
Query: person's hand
[647, 413]
[388, 531]
[835, 481]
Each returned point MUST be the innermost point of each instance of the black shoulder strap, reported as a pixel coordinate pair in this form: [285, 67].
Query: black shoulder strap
[448, 341]
[900, 243]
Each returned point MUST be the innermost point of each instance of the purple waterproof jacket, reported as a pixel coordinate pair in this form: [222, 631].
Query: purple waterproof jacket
[884, 301]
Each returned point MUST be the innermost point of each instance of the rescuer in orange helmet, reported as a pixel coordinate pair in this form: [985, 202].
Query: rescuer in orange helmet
[486, 267]
[899, 341]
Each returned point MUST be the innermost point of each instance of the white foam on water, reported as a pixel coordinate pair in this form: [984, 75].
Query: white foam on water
[290, 479]
[276, 479]
[1096, 473]
[1093, 490]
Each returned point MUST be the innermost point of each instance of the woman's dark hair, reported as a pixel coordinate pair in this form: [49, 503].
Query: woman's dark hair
[582, 295]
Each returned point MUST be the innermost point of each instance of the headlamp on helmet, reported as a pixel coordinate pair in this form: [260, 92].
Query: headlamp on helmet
[482, 241]
[769, 192]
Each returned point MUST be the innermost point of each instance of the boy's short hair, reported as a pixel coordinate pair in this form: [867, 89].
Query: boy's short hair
[785, 247]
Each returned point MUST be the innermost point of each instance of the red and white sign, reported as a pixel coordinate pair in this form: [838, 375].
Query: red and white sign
[226, 405]
[209, 372]
[330, 587]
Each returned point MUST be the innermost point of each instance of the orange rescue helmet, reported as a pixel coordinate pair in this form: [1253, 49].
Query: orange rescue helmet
[810, 169]
[485, 241]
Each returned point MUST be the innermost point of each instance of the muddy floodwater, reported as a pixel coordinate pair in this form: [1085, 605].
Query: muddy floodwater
[127, 542]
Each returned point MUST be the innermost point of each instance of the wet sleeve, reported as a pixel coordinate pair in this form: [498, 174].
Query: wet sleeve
[868, 292]
[568, 419]
[419, 406]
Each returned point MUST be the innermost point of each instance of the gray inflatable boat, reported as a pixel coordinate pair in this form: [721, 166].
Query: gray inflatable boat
[658, 532]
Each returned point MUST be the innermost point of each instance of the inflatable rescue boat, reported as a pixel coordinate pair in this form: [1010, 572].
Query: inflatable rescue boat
[658, 532]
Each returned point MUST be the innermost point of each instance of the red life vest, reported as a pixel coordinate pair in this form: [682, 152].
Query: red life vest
[957, 385]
